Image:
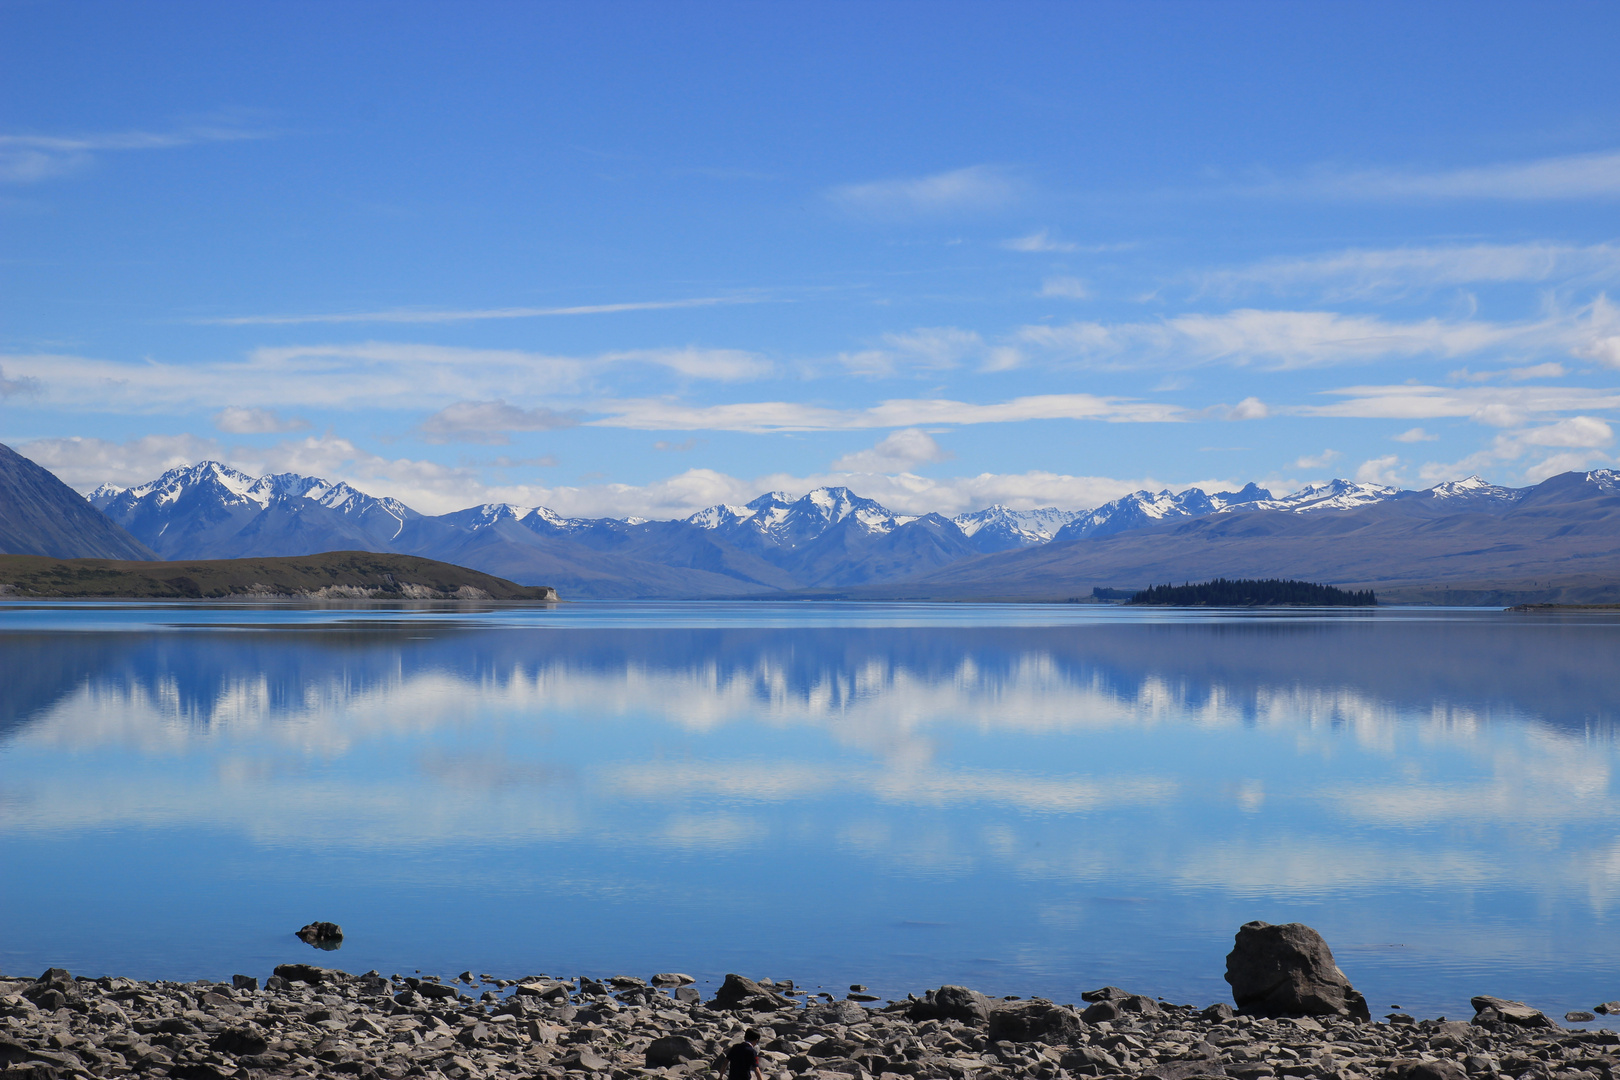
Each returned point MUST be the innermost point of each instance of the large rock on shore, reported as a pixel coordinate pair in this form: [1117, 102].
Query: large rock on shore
[952, 1003]
[740, 993]
[1516, 1013]
[1037, 1020]
[1288, 970]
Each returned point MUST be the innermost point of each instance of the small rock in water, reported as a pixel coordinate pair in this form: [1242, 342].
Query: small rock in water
[322, 935]
[1608, 1008]
[863, 997]
[1579, 1016]
[672, 978]
[466, 977]
[857, 988]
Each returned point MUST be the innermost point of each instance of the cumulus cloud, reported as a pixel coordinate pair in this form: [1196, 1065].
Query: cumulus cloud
[1578, 431]
[900, 451]
[28, 159]
[1576, 443]
[975, 188]
[1318, 461]
[243, 421]
[1250, 408]
[490, 422]
[1068, 288]
[1038, 241]
[86, 463]
[1413, 435]
[1384, 470]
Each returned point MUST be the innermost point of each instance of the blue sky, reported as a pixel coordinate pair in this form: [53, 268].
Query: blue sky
[642, 258]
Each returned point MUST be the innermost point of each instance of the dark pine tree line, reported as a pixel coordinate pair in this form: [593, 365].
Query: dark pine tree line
[1272, 592]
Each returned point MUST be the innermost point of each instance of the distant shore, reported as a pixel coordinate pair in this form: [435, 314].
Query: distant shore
[311, 1021]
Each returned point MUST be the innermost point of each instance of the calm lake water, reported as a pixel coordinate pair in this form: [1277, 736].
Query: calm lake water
[1032, 800]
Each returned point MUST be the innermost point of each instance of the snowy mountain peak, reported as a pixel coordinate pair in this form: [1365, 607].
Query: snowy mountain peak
[713, 517]
[1333, 495]
[1473, 488]
[997, 528]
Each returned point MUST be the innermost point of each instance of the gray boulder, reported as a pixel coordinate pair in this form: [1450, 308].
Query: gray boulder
[835, 1012]
[1037, 1020]
[1516, 1013]
[672, 978]
[672, 1050]
[740, 993]
[1418, 1069]
[952, 1003]
[309, 973]
[1288, 970]
[1183, 1070]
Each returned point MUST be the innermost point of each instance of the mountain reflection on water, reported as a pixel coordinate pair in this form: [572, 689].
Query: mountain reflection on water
[1026, 807]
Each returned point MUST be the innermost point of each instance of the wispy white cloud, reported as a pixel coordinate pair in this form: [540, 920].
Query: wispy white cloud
[665, 415]
[1499, 406]
[1039, 241]
[23, 384]
[374, 374]
[1414, 435]
[1574, 176]
[1069, 288]
[411, 315]
[924, 350]
[1361, 273]
[1277, 340]
[490, 422]
[975, 188]
[28, 159]
[899, 451]
[236, 420]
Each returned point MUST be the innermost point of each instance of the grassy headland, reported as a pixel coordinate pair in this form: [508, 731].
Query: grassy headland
[332, 575]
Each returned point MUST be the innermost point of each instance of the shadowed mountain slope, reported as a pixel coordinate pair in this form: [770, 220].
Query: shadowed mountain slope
[40, 515]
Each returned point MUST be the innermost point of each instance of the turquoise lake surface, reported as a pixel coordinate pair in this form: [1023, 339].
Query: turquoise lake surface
[1025, 799]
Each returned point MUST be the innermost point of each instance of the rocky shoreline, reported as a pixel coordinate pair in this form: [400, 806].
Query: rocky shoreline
[312, 1021]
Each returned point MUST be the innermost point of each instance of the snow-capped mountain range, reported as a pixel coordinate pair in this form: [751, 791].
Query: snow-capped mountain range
[827, 538]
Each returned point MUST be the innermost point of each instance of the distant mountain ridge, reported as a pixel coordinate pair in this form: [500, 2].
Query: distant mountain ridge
[827, 539]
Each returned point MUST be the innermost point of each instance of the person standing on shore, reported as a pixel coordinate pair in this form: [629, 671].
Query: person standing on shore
[743, 1059]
